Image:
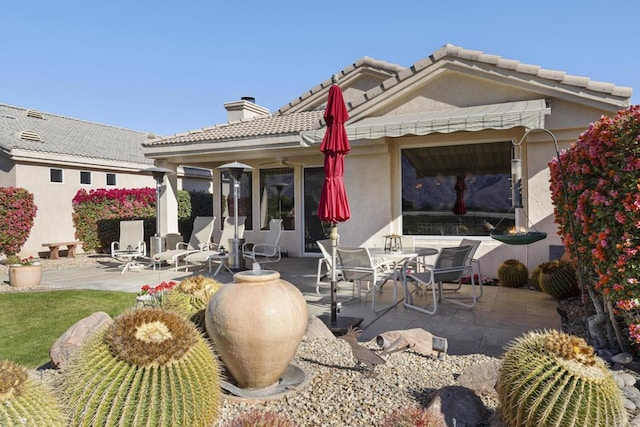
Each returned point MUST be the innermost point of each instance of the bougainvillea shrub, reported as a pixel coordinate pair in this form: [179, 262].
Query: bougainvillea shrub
[91, 207]
[97, 213]
[17, 213]
[601, 171]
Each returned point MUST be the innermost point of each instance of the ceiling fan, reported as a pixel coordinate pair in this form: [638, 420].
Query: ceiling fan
[279, 161]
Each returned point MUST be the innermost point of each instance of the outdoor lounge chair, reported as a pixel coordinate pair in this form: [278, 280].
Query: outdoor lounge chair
[213, 254]
[199, 241]
[325, 265]
[449, 267]
[267, 251]
[130, 245]
[358, 266]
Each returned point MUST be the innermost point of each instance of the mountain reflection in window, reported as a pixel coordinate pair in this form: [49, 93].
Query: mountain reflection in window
[437, 180]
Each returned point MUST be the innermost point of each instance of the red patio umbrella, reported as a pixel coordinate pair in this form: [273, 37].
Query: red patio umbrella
[334, 205]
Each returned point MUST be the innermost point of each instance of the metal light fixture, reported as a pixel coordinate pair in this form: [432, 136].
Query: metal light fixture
[236, 170]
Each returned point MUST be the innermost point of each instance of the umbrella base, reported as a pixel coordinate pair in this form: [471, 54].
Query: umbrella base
[342, 323]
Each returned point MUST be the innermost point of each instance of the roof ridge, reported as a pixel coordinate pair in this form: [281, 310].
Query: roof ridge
[449, 50]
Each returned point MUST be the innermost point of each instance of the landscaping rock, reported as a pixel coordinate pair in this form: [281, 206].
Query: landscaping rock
[481, 378]
[317, 329]
[459, 403]
[76, 336]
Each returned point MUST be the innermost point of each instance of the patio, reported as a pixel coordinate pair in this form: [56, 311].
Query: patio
[500, 315]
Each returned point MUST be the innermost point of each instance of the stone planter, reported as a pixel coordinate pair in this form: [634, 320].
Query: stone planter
[257, 323]
[25, 276]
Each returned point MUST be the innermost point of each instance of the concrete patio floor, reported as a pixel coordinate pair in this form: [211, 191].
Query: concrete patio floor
[499, 316]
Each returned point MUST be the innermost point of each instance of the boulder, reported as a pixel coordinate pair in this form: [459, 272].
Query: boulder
[482, 377]
[317, 329]
[457, 403]
[75, 337]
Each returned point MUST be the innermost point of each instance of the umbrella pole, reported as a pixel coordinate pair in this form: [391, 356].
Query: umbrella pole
[334, 284]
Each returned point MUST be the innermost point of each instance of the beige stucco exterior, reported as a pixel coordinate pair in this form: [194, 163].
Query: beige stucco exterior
[451, 79]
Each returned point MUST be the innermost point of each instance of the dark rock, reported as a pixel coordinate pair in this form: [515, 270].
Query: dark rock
[622, 358]
[75, 337]
[457, 403]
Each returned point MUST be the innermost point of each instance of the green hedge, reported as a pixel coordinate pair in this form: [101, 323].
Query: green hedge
[97, 213]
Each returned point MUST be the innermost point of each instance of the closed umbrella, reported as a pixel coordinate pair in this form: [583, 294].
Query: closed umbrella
[334, 205]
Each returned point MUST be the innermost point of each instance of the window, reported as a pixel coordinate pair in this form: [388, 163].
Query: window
[55, 175]
[244, 197]
[276, 197]
[85, 178]
[111, 179]
[456, 190]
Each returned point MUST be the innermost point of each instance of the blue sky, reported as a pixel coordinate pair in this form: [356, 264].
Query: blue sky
[169, 66]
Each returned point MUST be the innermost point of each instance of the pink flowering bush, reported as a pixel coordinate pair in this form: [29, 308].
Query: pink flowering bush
[17, 213]
[602, 174]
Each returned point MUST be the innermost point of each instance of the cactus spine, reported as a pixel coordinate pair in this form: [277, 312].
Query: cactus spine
[25, 402]
[513, 274]
[558, 279]
[191, 297]
[554, 379]
[151, 367]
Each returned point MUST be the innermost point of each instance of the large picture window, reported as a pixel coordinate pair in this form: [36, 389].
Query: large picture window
[244, 198]
[456, 190]
[276, 197]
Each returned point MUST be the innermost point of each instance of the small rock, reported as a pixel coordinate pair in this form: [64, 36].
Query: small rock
[628, 404]
[622, 358]
[75, 337]
[605, 354]
[629, 380]
[482, 377]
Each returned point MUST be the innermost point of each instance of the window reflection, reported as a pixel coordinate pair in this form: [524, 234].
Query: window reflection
[244, 198]
[462, 190]
[277, 197]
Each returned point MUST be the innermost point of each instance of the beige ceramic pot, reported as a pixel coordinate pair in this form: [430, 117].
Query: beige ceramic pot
[25, 276]
[257, 323]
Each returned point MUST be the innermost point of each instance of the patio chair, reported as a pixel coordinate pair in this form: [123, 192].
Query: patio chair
[449, 267]
[325, 265]
[130, 245]
[471, 262]
[358, 266]
[199, 241]
[267, 251]
[214, 254]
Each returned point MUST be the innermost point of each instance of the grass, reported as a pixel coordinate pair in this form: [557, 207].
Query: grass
[30, 322]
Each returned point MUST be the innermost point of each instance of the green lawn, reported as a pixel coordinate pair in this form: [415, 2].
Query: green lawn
[30, 322]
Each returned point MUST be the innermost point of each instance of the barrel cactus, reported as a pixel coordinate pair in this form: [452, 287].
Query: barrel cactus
[191, 297]
[26, 402]
[558, 279]
[151, 367]
[535, 277]
[513, 274]
[550, 378]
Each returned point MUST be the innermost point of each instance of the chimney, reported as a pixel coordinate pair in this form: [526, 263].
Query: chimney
[244, 109]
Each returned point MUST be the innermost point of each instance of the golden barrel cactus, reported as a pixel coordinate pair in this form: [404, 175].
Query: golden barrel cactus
[558, 279]
[151, 367]
[513, 274]
[554, 379]
[191, 297]
[24, 402]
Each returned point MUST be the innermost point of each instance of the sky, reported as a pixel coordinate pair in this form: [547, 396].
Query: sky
[169, 66]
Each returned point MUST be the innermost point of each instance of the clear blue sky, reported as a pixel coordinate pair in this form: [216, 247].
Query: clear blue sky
[169, 66]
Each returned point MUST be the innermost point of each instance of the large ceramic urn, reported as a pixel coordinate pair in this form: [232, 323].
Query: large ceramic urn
[25, 276]
[257, 323]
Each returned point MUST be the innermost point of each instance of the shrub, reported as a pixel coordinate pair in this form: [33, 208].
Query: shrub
[600, 174]
[97, 213]
[554, 379]
[17, 212]
[26, 402]
[149, 368]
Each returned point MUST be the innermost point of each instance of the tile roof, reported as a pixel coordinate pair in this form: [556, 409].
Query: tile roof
[69, 136]
[283, 122]
[257, 127]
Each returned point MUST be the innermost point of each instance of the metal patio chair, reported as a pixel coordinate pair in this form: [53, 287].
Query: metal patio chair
[199, 241]
[267, 251]
[130, 245]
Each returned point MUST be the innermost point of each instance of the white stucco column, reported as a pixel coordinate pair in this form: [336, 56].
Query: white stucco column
[169, 200]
